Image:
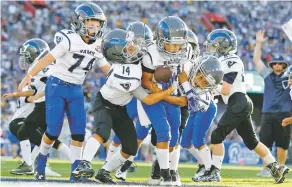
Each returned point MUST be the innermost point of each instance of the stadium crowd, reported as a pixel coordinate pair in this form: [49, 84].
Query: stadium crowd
[245, 18]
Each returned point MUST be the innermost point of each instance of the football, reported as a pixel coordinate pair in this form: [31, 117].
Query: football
[163, 74]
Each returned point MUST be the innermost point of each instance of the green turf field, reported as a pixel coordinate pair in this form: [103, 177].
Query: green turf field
[231, 175]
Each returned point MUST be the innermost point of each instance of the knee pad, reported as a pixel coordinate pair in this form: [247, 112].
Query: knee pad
[174, 136]
[50, 136]
[23, 133]
[14, 128]
[251, 143]
[78, 137]
[218, 136]
[56, 144]
[130, 149]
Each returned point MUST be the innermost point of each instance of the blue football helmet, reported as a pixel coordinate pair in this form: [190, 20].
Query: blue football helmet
[171, 30]
[118, 46]
[143, 37]
[32, 51]
[221, 42]
[211, 69]
[88, 11]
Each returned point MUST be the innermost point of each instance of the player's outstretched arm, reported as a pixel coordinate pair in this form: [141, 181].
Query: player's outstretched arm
[177, 100]
[36, 96]
[18, 94]
[150, 99]
[40, 65]
[260, 38]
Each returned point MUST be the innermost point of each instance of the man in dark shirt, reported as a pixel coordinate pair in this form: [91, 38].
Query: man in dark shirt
[277, 103]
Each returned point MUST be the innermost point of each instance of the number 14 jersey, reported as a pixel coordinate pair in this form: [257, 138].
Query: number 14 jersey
[74, 57]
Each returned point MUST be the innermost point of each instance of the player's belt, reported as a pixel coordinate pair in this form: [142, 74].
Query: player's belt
[61, 82]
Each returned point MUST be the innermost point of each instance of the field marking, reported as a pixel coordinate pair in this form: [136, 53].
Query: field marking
[145, 164]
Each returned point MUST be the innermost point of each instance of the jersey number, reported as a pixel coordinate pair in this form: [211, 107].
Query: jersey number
[79, 59]
[126, 70]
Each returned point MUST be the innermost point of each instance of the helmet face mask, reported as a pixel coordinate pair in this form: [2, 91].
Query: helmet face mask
[119, 46]
[171, 30]
[221, 42]
[31, 51]
[206, 74]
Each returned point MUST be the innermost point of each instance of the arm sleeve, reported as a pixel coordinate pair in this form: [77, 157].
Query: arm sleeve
[230, 77]
[265, 72]
[63, 45]
[139, 93]
[147, 64]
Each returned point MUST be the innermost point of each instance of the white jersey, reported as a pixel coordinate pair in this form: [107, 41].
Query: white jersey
[154, 59]
[233, 70]
[74, 57]
[24, 108]
[123, 82]
[38, 82]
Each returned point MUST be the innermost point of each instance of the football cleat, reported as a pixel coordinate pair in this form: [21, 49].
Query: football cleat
[104, 177]
[278, 172]
[22, 168]
[122, 172]
[40, 167]
[155, 174]
[165, 179]
[211, 175]
[175, 178]
[83, 169]
[264, 173]
[50, 173]
[199, 172]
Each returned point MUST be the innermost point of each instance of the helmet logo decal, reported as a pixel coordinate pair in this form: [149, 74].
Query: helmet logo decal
[130, 36]
[59, 39]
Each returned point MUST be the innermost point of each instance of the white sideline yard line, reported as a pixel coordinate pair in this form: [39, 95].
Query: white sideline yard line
[145, 164]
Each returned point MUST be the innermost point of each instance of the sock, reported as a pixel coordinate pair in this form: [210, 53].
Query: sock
[65, 150]
[35, 152]
[90, 149]
[217, 161]
[111, 150]
[75, 153]
[163, 158]
[174, 159]
[25, 150]
[195, 153]
[205, 157]
[268, 159]
[45, 148]
[115, 161]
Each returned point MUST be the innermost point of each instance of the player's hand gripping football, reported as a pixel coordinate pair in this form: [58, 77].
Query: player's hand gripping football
[286, 121]
[260, 36]
[182, 77]
[25, 81]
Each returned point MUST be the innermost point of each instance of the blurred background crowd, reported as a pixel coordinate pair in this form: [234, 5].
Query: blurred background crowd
[23, 20]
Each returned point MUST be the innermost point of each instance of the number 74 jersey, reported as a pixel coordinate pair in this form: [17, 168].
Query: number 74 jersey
[233, 74]
[74, 57]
